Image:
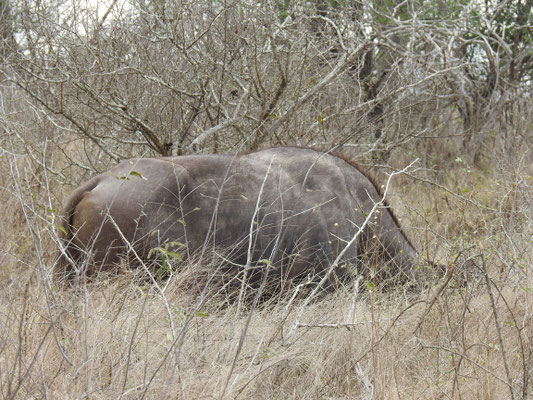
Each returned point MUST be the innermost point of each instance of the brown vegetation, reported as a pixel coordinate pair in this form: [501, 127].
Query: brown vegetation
[447, 84]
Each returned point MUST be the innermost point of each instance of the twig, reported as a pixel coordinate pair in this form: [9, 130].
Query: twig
[497, 323]
[345, 60]
[348, 326]
[209, 132]
[337, 260]
[435, 295]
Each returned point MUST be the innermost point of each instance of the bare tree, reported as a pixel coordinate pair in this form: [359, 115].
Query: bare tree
[169, 78]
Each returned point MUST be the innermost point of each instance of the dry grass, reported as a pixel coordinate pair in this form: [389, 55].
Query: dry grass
[115, 338]
[120, 337]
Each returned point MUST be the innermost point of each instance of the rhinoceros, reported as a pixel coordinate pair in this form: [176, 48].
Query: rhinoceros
[289, 210]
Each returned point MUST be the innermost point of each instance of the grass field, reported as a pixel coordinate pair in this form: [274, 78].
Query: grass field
[118, 336]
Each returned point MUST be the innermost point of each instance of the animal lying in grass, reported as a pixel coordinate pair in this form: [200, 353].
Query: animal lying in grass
[281, 214]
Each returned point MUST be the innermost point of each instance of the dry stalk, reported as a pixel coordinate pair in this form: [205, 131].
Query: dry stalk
[433, 297]
[497, 325]
[354, 238]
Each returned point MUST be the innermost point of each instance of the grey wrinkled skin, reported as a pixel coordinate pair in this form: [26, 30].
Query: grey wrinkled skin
[299, 207]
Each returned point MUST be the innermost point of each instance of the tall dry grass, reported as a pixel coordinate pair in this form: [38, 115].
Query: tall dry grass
[120, 337]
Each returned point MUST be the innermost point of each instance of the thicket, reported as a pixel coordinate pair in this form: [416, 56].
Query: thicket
[448, 84]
